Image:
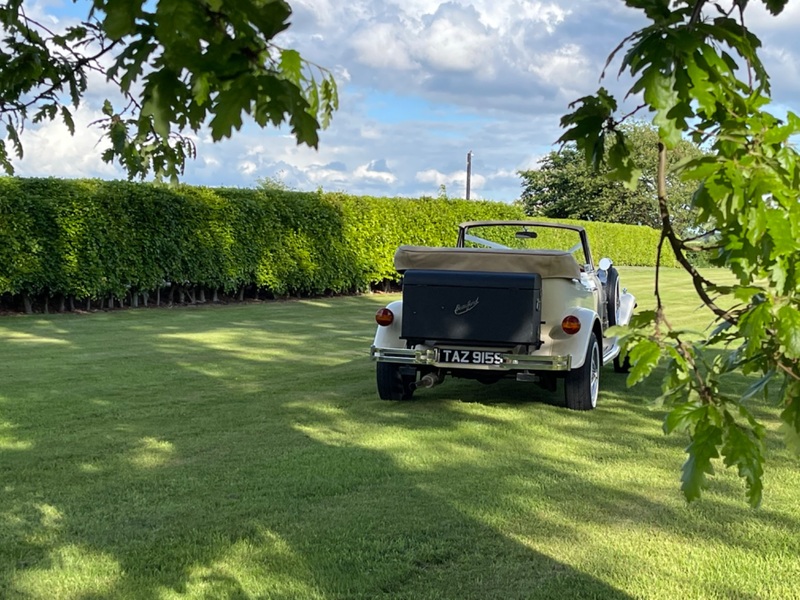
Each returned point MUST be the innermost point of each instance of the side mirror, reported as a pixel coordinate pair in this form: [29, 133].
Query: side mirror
[604, 264]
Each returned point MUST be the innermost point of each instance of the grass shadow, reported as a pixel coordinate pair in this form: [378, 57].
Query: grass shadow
[164, 471]
[242, 453]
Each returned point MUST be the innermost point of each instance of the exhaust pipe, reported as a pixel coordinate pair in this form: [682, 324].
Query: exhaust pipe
[427, 381]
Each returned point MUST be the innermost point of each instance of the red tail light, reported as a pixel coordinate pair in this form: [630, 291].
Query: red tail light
[384, 317]
[571, 325]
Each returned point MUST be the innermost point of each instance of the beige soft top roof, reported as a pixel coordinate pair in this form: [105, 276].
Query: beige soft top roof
[547, 263]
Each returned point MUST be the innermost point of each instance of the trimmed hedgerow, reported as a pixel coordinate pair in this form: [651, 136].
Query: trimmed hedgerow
[631, 245]
[89, 240]
[375, 227]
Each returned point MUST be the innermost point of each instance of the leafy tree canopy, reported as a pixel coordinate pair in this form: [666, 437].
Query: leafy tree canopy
[178, 65]
[695, 66]
[565, 187]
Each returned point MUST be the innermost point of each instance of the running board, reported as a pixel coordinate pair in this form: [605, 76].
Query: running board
[611, 354]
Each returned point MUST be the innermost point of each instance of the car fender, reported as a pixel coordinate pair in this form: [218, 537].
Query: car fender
[576, 344]
[388, 336]
[626, 305]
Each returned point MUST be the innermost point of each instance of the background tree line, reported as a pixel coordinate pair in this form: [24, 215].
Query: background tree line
[565, 187]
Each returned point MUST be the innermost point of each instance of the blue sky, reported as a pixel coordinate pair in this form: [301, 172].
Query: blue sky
[421, 82]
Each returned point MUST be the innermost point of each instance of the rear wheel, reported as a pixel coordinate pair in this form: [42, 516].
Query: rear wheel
[582, 385]
[392, 384]
[621, 364]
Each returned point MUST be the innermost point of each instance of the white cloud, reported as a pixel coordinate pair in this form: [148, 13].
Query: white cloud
[342, 74]
[369, 171]
[369, 132]
[50, 150]
[531, 162]
[325, 175]
[382, 46]
[761, 21]
[502, 174]
[566, 68]
[550, 13]
[247, 167]
[452, 179]
[456, 41]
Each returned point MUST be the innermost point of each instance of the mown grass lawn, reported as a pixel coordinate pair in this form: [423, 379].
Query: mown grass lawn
[241, 452]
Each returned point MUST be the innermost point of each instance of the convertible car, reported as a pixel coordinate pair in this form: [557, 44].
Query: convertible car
[518, 299]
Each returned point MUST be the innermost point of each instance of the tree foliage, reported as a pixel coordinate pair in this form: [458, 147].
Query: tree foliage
[696, 67]
[565, 187]
[177, 64]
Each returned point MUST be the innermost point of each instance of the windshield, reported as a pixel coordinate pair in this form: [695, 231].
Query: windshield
[525, 237]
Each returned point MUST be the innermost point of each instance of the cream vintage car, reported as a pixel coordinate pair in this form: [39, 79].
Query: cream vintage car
[520, 299]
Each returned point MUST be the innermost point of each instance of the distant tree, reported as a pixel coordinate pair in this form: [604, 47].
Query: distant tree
[565, 187]
[275, 183]
[178, 65]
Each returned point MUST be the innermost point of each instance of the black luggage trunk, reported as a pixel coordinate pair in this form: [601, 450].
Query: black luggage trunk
[471, 307]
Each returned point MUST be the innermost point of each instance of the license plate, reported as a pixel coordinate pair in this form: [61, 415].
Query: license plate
[469, 357]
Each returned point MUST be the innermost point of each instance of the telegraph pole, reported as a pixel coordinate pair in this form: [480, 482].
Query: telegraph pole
[469, 170]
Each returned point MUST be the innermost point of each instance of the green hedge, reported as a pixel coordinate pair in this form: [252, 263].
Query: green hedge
[630, 245]
[87, 239]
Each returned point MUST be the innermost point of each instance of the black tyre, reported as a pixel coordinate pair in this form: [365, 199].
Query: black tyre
[392, 384]
[621, 364]
[582, 385]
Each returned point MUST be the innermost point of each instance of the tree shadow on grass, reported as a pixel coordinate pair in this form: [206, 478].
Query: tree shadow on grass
[202, 470]
[346, 524]
[620, 433]
[200, 474]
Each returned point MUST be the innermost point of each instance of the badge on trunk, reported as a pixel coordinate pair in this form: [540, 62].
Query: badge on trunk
[462, 309]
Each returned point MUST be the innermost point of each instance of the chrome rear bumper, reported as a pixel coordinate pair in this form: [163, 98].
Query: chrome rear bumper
[511, 362]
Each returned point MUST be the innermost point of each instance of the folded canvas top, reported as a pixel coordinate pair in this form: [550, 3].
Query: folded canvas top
[547, 263]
